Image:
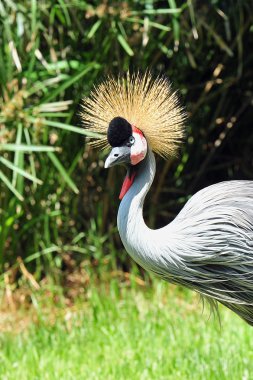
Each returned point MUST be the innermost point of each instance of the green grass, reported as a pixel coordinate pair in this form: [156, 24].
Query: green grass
[131, 334]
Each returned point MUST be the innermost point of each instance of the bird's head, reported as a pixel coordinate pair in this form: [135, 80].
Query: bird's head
[131, 113]
[129, 147]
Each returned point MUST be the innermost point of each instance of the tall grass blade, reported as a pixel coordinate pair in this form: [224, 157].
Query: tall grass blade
[67, 127]
[31, 158]
[10, 186]
[17, 154]
[94, 28]
[125, 45]
[63, 172]
[161, 11]
[28, 148]
[53, 94]
[20, 171]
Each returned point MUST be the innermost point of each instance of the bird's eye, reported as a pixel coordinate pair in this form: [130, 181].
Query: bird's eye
[130, 141]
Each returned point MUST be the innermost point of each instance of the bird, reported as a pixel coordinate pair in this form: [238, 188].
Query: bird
[208, 246]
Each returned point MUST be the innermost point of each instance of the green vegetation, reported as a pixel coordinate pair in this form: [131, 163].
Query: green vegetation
[132, 334]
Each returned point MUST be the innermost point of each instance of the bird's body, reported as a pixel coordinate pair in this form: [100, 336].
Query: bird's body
[208, 247]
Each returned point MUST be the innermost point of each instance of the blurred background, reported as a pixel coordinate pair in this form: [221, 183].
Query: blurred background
[58, 206]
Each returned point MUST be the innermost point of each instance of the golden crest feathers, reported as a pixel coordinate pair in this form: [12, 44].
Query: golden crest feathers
[145, 102]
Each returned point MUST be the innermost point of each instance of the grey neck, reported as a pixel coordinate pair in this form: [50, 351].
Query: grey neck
[132, 228]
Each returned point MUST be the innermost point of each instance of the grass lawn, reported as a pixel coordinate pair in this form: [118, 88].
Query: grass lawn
[129, 334]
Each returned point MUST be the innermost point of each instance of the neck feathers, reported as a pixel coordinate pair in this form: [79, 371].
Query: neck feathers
[132, 228]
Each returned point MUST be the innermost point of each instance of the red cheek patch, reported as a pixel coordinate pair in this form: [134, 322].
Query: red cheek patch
[136, 158]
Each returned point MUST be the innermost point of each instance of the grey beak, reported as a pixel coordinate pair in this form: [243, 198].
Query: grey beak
[118, 155]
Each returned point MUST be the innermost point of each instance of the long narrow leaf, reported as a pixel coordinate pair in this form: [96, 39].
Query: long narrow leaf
[46, 83]
[94, 28]
[71, 81]
[158, 11]
[34, 17]
[53, 114]
[175, 23]
[220, 41]
[64, 7]
[20, 179]
[17, 153]
[31, 158]
[63, 172]
[156, 25]
[28, 148]
[55, 106]
[43, 252]
[22, 172]
[71, 168]
[67, 127]
[125, 45]
[10, 186]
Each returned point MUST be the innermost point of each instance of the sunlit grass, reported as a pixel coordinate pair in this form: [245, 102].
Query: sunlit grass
[131, 334]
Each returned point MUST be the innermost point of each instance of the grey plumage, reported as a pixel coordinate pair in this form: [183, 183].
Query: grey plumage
[208, 247]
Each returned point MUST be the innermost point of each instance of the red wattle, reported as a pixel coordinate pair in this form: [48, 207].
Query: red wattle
[128, 181]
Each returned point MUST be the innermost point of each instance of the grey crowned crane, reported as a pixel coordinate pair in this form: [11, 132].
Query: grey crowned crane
[208, 247]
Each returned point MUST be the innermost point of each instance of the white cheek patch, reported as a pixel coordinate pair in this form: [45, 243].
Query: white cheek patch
[138, 149]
